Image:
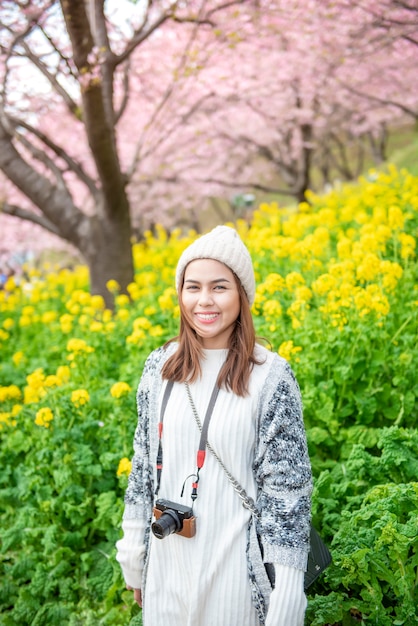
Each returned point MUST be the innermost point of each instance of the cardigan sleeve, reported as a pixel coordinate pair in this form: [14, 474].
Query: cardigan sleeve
[131, 548]
[288, 600]
[130, 552]
[283, 471]
[140, 490]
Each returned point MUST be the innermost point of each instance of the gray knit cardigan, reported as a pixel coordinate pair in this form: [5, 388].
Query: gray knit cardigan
[282, 471]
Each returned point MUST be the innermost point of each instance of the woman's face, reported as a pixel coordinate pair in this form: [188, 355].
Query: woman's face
[211, 301]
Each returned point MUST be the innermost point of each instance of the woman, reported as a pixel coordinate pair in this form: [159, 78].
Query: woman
[217, 575]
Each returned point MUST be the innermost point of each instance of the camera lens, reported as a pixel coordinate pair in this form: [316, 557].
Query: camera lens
[167, 524]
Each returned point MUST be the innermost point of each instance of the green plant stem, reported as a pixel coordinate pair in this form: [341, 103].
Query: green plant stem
[401, 328]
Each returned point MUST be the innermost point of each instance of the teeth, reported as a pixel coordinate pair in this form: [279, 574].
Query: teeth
[204, 316]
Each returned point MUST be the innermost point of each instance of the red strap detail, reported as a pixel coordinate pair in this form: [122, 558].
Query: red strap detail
[159, 466]
[160, 429]
[201, 454]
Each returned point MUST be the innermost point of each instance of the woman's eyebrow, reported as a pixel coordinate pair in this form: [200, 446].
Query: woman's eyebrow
[216, 280]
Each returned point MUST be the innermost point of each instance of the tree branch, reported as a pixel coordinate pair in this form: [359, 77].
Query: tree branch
[73, 165]
[144, 32]
[55, 203]
[126, 94]
[98, 119]
[140, 36]
[384, 101]
[71, 105]
[42, 157]
[247, 185]
[229, 184]
[106, 58]
[29, 216]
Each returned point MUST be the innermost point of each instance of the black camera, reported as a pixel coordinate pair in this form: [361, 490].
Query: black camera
[171, 517]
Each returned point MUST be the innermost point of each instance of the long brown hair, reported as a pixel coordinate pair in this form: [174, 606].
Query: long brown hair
[234, 375]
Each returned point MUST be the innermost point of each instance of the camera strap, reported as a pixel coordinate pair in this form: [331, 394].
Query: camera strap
[247, 502]
[201, 453]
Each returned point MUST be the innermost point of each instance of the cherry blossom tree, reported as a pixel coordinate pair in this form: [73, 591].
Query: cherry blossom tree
[301, 87]
[306, 85]
[142, 117]
[59, 141]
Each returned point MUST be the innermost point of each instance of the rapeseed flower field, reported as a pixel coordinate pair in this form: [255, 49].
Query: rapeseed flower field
[337, 295]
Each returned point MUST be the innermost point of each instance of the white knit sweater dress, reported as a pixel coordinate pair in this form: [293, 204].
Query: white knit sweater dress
[204, 580]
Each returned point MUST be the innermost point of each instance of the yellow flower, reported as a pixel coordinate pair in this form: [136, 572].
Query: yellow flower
[396, 218]
[297, 312]
[124, 467]
[10, 284]
[84, 320]
[107, 316]
[82, 297]
[287, 350]
[369, 268]
[5, 417]
[371, 299]
[18, 357]
[344, 248]
[66, 322]
[63, 374]
[408, 245]
[142, 323]
[112, 286]
[392, 272]
[31, 394]
[74, 309]
[122, 300]
[272, 309]
[36, 379]
[8, 323]
[303, 293]
[123, 315]
[52, 381]
[119, 389]
[294, 279]
[136, 337]
[96, 326]
[25, 320]
[80, 397]
[156, 331]
[97, 302]
[273, 283]
[78, 346]
[48, 317]
[323, 284]
[12, 392]
[134, 291]
[16, 409]
[44, 417]
[168, 299]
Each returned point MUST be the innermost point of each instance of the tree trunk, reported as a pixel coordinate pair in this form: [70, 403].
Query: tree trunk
[304, 174]
[108, 253]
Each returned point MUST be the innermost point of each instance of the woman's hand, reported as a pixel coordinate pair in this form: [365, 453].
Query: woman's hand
[137, 595]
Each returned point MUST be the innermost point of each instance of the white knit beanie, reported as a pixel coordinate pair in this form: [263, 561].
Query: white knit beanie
[221, 244]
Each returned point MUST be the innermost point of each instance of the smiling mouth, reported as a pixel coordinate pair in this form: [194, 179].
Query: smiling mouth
[207, 317]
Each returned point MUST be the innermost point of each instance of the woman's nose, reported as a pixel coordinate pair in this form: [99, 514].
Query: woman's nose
[205, 297]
